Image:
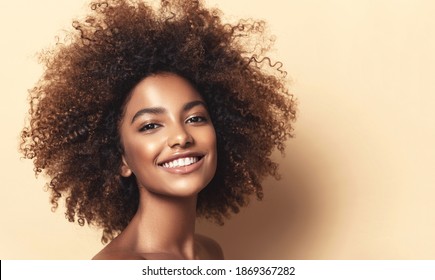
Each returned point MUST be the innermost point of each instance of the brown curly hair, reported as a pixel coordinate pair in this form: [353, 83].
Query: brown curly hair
[76, 106]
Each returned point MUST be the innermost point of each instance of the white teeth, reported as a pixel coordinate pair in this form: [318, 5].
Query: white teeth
[180, 162]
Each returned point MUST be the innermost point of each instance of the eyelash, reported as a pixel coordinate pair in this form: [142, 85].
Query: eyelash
[201, 119]
[151, 126]
[147, 126]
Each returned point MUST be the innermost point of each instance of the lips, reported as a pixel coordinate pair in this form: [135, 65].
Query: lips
[181, 162]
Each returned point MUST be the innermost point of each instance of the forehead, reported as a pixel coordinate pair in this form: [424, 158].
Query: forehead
[163, 90]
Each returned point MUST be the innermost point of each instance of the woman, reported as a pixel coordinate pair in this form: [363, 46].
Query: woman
[145, 119]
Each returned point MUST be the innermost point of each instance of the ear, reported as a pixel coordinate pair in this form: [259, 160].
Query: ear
[125, 169]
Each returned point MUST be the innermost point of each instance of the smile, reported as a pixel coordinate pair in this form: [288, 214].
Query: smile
[183, 165]
[180, 162]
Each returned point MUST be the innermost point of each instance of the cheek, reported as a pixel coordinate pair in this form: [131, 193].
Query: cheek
[209, 140]
[140, 152]
[213, 140]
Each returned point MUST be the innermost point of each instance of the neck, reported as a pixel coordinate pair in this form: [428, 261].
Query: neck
[163, 224]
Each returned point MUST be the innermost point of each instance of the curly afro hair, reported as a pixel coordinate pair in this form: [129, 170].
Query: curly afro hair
[76, 106]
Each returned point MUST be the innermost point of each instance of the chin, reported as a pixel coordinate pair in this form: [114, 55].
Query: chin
[177, 188]
[186, 190]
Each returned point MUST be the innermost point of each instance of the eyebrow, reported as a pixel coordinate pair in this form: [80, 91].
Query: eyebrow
[161, 110]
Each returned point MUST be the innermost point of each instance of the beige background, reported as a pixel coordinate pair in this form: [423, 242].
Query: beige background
[358, 180]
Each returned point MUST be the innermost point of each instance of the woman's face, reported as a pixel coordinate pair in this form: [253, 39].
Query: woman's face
[168, 138]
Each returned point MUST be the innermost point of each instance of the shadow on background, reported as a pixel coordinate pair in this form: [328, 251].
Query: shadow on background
[285, 225]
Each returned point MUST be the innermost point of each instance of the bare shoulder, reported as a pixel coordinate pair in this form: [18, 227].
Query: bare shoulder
[210, 249]
[115, 251]
[117, 255]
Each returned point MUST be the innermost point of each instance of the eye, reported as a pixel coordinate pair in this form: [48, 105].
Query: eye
[149, 126]
[196, 119]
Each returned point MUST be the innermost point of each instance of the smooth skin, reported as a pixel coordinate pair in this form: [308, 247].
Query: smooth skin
[166, 119]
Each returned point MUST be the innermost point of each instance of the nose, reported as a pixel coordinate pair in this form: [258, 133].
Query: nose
[180, 137]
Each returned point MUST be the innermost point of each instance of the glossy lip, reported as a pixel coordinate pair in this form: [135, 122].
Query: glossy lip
[180, 155]
[184, 169]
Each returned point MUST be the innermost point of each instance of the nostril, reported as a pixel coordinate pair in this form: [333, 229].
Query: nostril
[180, 138]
